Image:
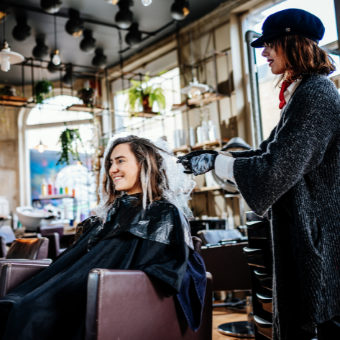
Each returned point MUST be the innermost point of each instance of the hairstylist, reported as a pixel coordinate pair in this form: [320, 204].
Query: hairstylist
[296, 171]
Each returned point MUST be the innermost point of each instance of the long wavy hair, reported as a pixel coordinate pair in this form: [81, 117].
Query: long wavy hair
[153, 177]
[303, 57]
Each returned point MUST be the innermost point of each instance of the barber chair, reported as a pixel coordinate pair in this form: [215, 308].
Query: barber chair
[54, 249]
[224, 259]
[3, 250]
[126, 304]
[31, 251]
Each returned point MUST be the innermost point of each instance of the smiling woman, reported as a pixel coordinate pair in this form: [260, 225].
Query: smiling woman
[141, 230]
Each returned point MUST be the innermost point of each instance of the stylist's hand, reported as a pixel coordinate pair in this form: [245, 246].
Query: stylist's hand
[198, 162]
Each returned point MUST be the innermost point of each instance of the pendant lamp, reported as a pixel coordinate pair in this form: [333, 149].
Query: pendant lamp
[74, 26]
[180, 9]
[194, 89]
[51, 6]
[134, 37]
[55, 56]
[40, 147]
[124, 16]
[7, 57]
[40, 51]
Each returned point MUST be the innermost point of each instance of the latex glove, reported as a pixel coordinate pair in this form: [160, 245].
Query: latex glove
[198, 162]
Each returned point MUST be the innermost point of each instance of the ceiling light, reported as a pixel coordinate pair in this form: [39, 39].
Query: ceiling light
[56, 58]
[88, 44]
[68, 78]
[180, 9]
[40, 147]
[7, 57]
[195, 89]
[51, 6]
[74, 26]
[99, 60]
[113, 2]
[21, 31]
[146, 2]
[134, 37]
[53, 68]
[40, 51]
[124, 16]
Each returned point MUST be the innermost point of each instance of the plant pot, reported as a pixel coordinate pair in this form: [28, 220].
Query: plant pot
[146, 105]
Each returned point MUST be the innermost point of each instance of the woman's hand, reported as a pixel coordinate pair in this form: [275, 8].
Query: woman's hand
[198, 162]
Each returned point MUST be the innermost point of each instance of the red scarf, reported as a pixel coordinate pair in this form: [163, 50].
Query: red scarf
[284, 87]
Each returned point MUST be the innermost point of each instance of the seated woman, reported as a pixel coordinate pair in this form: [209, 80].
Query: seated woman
[136, 228]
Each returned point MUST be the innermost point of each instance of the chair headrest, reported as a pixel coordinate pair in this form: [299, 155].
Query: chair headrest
[214, 236]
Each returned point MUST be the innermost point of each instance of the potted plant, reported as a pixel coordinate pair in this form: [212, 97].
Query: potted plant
[86, 94]
[42, 88]
[144, 94]
[8, 91]
[70, 140]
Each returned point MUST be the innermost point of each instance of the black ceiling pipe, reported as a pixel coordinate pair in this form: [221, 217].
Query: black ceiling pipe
[134, 37]
[99, 60]
[124, 16]
[21, 30]
[40, 50]
[51, 6]
[180, 9]
[74, 26]
[88, 44]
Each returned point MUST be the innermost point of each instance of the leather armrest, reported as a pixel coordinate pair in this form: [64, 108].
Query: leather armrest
[126, 304]
[15, 274]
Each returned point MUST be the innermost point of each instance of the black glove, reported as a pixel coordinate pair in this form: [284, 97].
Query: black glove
[198, 162]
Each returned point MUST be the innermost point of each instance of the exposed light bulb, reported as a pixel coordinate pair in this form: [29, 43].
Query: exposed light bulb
[5, 64]
[194, 93]
[56, 58]
[146, 2]
[41, 148]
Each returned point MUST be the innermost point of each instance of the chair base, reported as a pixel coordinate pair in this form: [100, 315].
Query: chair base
[241, 329]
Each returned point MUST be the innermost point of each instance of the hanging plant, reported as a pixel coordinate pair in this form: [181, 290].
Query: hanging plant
[141, 93]
[86, 95]
[41, 88]
[70, 140]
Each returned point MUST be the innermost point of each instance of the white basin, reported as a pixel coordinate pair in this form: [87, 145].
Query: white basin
[30, 217]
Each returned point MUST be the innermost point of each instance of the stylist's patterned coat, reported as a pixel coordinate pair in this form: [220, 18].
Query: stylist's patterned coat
[296, 171]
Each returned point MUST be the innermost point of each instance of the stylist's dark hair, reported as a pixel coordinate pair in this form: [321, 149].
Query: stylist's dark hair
[302, 56]
[152, 174]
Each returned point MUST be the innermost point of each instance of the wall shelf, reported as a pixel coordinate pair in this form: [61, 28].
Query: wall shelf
[53, 197]
[199, 146]
[13, 101]
[144, 114]
[84, 108]
[192, 103]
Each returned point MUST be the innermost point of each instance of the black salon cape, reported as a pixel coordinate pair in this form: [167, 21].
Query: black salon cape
[52, 305]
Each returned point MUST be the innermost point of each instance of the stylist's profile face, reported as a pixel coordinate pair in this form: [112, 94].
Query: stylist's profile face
[275, 59]
[125, 170]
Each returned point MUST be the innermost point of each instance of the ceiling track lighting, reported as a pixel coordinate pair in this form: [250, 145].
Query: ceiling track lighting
[146, 2]
[74, 26]
[55, 58]
[124, 16]
[21, 31]
[180, 9]
[69, 78]
[40, 51]
[51, 6]
[88, 44]
[134, 37]
[99, 60]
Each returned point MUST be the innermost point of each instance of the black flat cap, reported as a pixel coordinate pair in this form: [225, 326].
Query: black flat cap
[291, 21]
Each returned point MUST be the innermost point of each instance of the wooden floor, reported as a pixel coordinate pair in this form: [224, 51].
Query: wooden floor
[222, 315]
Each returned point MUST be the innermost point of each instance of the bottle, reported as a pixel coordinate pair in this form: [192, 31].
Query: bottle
[50, 187]
[73, 193]
[60, 190]
[212, 131]
[66, 190]
[44, 187]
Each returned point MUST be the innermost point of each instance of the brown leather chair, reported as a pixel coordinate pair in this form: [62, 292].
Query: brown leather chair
[14, 274]
[54, 249]
[3, 249]
[28, 249]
